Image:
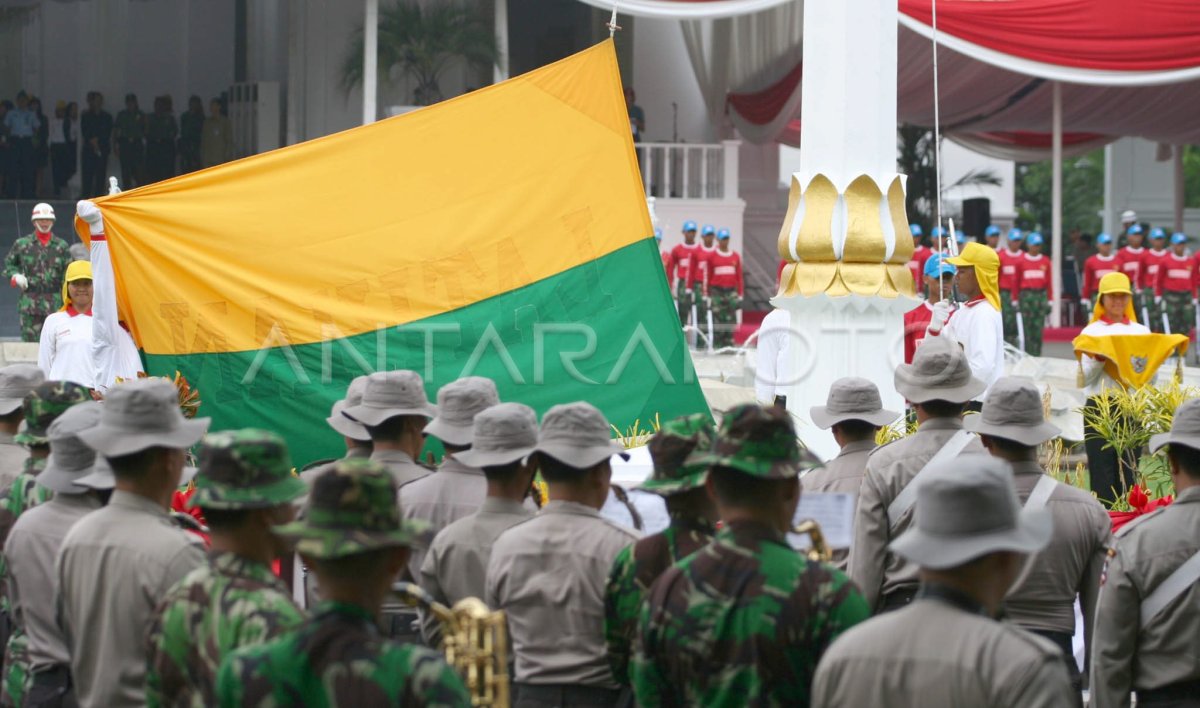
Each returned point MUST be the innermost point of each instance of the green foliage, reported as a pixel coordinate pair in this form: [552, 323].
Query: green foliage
[422, 40]
[915, 158]
[1191, 176]
[900, 429]
[635, 435]
[1083, 193]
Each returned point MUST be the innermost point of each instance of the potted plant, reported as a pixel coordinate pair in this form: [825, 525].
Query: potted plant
[422, 40]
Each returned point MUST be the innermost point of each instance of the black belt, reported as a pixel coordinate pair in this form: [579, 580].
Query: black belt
[567, 694]
[1178, 694]
[52, 673]
[897, 599]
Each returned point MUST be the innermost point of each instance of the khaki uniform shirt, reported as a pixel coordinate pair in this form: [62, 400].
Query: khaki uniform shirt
[456, 565]
[12, 460]
[875, 569]
[1045, 597]
[32, 585]
[453, 492]
[935, 654]
[403, 468]
[843, 474]
[548, 574]
[1126, 656]
[115, 566]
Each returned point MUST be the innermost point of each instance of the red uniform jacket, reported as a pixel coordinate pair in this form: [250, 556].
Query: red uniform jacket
[1151, 260]
[725, 270]
[682, 260]
[916, 321]
[1132, 262]
[916, 264]
[1177, 274]
[1094, 269]
[1033, 273]
[1010, 263]
[699, 276]
[666, 259]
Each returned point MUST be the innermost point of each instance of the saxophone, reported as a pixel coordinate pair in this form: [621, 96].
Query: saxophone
[474, 640]
[819, 551]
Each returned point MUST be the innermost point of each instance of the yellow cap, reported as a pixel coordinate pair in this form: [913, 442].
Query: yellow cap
[1114, 284]
[76, 270]
[987, 269]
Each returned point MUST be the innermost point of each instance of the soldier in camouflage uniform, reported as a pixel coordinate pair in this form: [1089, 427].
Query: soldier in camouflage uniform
[42, 406]
[245, 487]
[745, 620]
[692, 516]
[16, 382]
[37, 264]
[354, 538]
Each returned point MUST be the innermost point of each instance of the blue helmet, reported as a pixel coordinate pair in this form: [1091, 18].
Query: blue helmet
[1034, 239]
[992, 230]
[1015, 235]
[689, 226]
[1103, 238]
[916, 230]
[936, 267]
[723, 235]
[708, 230]
[1178, 238]
[960, 236]
[1135, 229]
[1157, 233]
[658, 234]
[937, 232]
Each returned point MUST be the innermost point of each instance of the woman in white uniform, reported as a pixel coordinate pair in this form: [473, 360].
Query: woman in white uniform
[65, 350]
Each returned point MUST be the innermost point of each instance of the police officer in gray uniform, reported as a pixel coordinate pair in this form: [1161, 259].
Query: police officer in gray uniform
[939, 384]
[1148, 618]
[456, 489]
[548, 574]
[1011, 427]
[970, 539]
[16, 382]
[354, 435]
[394, 410]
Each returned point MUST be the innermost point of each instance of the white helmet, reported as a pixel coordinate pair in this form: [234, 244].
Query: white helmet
[1128, 216]
[43, 211]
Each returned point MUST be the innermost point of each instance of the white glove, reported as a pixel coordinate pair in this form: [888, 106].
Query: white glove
[1085, 303]
[707, 301]
[90, 213]
[1016, 305]
[941, 313]
[19, 281]
[739, 316]
[1195, 302]
[1158, 299]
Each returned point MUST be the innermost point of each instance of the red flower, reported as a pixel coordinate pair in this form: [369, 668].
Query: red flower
[1141, 504]
[179, 503]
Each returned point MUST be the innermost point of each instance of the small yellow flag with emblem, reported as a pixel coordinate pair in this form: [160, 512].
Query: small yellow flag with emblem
[1131, 359]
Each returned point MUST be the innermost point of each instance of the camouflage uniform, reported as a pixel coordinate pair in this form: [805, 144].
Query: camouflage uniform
[1035, 305]
[232, 601]
[44, 267]
[725, 303]
[638, 566]
[1178, 306]
[42, 407]
[745, 620]
[338, 657]
[1008, 315]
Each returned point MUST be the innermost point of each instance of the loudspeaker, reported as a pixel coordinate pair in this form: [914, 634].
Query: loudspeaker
[976, 215]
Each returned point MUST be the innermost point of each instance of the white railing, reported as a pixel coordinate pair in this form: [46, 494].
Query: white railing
[254, 111]
[690, 170]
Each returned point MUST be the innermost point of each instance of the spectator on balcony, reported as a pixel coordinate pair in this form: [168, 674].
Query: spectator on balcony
[216, 143]
[22, 125]
[161, 131]
[64, 145]
[637, 117]
[191, 131]
[41, 145]
[129, 133]
[96, 126]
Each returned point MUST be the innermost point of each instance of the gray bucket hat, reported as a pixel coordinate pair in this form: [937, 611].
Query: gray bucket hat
[502, 434]
[389, 394]
[1185, 428]
[458, 402]
[579, 435]
[141, 414]
[16, 381]
[967, 508]
[852, 398]
[70, 459]
[1013, 411]
[939, 372]
[101, 477]
[340, 423]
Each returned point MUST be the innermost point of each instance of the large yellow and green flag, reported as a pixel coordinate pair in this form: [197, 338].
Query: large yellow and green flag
[501, 234]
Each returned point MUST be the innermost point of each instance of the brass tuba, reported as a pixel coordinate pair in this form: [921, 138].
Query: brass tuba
[474, 640]
[819, 551]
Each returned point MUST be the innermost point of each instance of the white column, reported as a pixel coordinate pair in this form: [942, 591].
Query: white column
[370, 60]
[1056, 231]
[1180, 197]
[500, 71]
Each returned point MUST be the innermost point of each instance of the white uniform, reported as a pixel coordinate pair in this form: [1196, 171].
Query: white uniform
[980, 329]
[1095, 380]
[771, 367]
[65, 350]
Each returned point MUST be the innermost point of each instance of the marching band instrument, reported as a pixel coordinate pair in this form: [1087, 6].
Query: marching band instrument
[819, 551]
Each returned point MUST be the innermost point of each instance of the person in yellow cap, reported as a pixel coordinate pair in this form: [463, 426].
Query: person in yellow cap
[1113, 315]
[65, 349]
[977, 325]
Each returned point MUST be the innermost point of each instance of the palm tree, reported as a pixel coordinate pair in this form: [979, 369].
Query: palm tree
[422, 41]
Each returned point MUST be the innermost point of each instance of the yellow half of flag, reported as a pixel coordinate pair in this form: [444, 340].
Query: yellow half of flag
[1131, 359]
